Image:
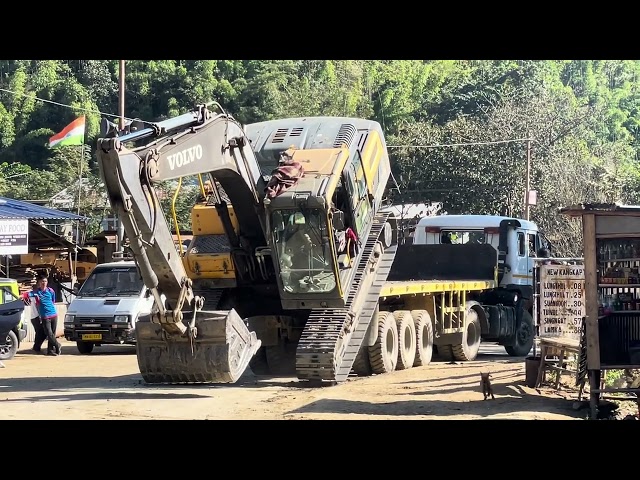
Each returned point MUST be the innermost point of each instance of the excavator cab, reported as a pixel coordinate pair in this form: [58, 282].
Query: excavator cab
[305, 257]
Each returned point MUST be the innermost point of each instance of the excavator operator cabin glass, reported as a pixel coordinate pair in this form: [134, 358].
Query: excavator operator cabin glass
[303, 253]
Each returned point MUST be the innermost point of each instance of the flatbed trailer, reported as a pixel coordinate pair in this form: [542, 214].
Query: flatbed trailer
[441, 296]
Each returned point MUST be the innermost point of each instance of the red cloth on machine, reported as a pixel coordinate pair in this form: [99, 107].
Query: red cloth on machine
[284, 177]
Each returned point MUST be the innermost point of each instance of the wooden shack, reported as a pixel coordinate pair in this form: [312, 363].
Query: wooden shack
[611, 235]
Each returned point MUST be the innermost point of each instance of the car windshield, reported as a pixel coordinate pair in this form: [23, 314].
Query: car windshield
[114, 281]
[302, 247]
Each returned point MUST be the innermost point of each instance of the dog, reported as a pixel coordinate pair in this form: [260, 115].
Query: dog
[485, 384]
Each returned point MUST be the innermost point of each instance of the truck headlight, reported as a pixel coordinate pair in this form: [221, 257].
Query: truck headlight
[69, 318]
[121, 318]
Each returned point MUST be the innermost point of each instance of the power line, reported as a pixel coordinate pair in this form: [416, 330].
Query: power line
[62, 104]
[462, 144]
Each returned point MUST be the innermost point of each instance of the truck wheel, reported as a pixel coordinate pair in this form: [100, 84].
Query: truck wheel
[424, 337]
[387, 235]
[383, 354]
[281, 358]
[258, 363]
[524, 337]
[361, 364]
[406, 339]
[9, 347]
[468, 350]
[84, 347]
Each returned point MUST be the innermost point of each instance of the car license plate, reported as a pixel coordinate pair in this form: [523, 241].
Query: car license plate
[92, 336]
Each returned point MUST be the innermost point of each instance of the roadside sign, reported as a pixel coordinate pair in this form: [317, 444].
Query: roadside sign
[14, 236]
[562, 301]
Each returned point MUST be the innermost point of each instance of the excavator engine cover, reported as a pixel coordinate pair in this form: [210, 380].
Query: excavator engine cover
[219, 353]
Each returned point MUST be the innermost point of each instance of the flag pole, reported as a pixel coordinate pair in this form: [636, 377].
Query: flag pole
[75, 262]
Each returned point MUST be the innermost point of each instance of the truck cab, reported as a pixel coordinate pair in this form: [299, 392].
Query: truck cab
[107, 306]
[516, 241]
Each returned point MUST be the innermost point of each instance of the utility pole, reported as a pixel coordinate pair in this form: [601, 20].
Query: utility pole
[119, 226]
[121, 94]
[528, 187]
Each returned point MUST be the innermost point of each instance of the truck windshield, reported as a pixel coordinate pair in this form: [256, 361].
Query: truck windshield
[302, 248]
[111, 282]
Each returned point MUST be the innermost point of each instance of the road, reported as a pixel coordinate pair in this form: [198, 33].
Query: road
[107, 385]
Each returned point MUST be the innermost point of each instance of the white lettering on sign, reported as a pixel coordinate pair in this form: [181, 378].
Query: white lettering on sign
[562, 301]
[14, 236]
[184, 157]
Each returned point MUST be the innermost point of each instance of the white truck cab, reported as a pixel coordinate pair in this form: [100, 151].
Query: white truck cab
[107, 306]
[516, 241]
[505, 311]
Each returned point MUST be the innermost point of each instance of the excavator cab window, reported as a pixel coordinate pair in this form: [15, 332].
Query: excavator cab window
[301, 240]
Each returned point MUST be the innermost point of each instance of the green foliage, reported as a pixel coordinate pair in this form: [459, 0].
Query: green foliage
[583, 117]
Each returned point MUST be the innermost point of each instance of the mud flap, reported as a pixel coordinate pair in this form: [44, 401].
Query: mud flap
[220, 352]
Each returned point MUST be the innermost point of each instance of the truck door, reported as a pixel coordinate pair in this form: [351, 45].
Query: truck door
[517, 258]
[521, 259]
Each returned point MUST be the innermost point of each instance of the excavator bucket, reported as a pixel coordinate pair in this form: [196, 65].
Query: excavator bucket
[220, 353]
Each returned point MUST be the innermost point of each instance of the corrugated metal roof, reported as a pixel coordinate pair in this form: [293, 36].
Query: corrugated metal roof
[10, 208]
[582, 208]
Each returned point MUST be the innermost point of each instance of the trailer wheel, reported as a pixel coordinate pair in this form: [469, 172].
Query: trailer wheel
[468, 350]
[258, 364]
[281, 358]
[406, 339]
[361, 364]
[387, 235]
[524, 337]
[424, 337]
[383, 354]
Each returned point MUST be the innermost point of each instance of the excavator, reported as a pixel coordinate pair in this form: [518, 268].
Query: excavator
[291, 244]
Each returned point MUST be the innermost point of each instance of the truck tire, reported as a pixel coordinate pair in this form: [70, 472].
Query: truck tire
[406, 339]
[467, 351]
[84, 347]
[10, 347]
[258, 363]
[361, 364]
[424, 337]
[524, 337]
[383, 354]
[281, 358]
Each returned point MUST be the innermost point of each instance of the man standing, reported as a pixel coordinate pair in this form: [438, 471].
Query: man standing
[45, 298]
[40, 336]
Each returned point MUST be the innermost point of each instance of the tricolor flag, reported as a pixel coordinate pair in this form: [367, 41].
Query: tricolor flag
[73, 134]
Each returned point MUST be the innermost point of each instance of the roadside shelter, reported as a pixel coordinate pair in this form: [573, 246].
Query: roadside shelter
[40, 238]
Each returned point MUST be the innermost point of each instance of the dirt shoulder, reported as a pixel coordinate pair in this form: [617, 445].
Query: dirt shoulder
[107, 385]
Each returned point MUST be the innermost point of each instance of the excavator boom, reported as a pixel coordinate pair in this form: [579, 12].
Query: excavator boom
[179, 342]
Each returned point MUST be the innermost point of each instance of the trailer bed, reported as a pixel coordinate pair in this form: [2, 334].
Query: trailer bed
[410, 287]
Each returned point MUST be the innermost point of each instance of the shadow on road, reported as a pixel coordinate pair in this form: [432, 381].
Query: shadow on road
[510, 398]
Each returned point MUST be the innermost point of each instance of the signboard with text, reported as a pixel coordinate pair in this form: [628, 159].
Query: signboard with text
[562, 300]
[14, 236]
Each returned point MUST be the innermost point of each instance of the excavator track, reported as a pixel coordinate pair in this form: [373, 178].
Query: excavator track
[332, 337]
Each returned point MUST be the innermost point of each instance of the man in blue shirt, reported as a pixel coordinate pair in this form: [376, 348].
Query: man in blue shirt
[45, 298]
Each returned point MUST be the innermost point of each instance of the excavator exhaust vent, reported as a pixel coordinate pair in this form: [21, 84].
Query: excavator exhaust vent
[282, 133]
[345, 135]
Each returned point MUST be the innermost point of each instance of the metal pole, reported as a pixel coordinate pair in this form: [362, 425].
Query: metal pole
[121, 94]
[528, 187]
[121, 112]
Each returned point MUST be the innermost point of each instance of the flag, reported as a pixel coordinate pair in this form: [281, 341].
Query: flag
[72, 134]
